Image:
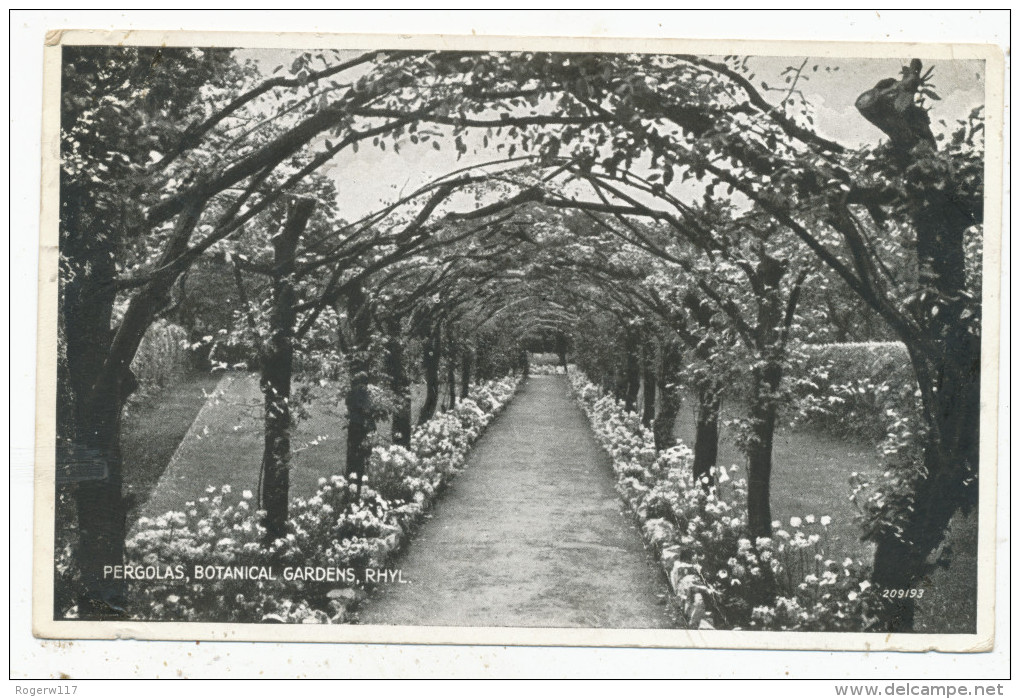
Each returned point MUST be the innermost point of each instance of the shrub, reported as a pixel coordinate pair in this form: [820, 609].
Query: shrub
[162, 355]
[857, 390]
[543, 359]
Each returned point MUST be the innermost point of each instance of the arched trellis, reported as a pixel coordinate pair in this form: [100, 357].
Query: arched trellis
[601, 103]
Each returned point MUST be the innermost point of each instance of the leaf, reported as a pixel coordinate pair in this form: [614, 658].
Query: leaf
[435, 144]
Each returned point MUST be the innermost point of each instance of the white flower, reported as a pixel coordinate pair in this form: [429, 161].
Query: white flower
[826, 520]
[795, 522]
[851, 596]
[810, 519]
[225, 489]
[865, 585]
[247, 494]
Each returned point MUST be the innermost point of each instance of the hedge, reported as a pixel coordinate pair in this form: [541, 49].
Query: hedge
[856, 390]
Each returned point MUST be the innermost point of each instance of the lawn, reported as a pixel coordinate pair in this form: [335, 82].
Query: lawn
[155, 422]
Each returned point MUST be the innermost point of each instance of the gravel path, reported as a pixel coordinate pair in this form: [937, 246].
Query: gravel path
[532, 534]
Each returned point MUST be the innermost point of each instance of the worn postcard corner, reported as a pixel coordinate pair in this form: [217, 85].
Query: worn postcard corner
[516, 341]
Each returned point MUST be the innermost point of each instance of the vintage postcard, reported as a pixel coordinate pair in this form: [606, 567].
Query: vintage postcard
[574, 342]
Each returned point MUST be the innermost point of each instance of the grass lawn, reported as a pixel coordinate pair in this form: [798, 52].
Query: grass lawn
[810, 475]
[154, 425]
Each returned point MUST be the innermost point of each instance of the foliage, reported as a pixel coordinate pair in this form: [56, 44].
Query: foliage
[856, 390]
[162, 355]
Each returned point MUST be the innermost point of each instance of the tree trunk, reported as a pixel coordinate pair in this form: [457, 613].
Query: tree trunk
[451, 380]
[562, 344]
[88, 438]
[770, 329]
[763, 412]
[483, 372]
[648, 381]
[102, 525]
[430, 360]
[465, 372]
[950, 379]
[706, 431]
[670, 396]
[277, 370]
[98, 380]
[360, 411]
[619, 380]
[400, 384]
[946, 354]
[632, 370]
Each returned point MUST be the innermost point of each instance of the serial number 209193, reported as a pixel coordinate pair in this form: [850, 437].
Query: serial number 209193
[913, 593]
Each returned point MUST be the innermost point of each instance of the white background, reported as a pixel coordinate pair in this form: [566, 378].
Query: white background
[33, 658]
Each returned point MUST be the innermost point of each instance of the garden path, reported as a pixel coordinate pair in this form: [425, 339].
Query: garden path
[531, 534]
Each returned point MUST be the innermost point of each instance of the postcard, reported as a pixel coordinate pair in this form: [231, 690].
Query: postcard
[573, 342]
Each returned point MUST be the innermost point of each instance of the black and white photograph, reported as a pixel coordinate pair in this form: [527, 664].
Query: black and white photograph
[390, 339]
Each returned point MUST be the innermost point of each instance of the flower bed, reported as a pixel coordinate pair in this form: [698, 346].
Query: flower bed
[720, 577]
[317, 572]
